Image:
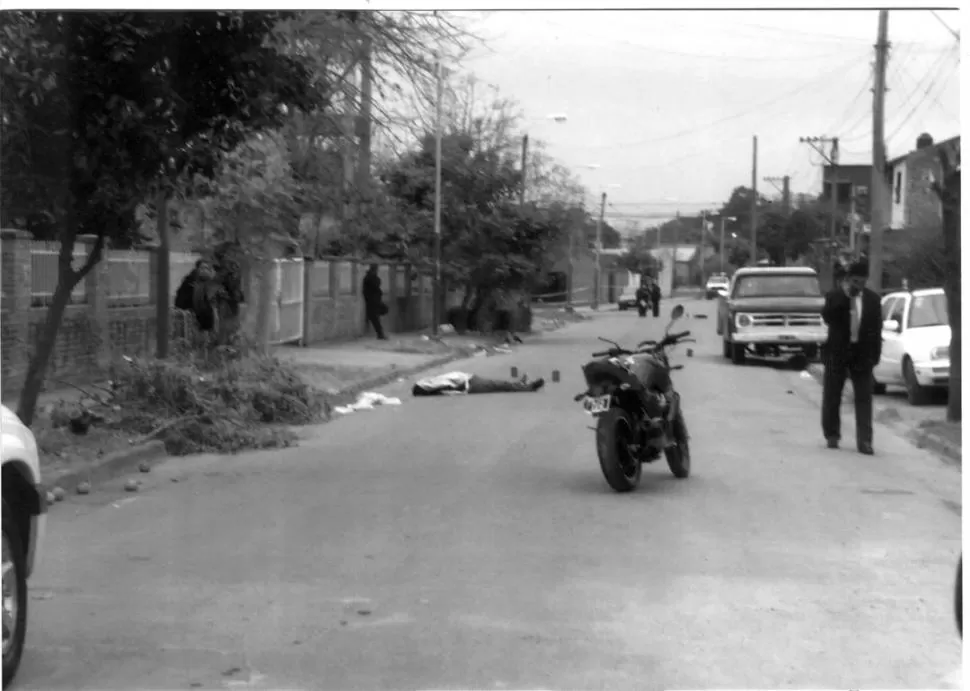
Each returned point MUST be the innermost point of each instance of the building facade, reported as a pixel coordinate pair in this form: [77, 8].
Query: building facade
[913, 203]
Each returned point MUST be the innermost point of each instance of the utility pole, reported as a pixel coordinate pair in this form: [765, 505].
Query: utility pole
[436, 307]
[599, 246]
[525, 157]
[700, 246]
[163, 277]
[784, 189]
[878, 193]
[722, 244]
[754, 202]
[826, 278]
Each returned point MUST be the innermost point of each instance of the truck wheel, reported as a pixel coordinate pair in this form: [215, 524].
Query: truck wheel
[811, 352]
[738, 353]
[726, 348]
[14, 596]
[614, 434]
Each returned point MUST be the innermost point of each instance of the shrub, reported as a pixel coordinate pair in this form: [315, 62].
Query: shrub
[219, 400]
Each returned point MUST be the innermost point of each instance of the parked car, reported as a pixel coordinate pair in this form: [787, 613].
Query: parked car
[627, 299]
[772, 311]
[24, 514]
[915, 343]
[717, 286]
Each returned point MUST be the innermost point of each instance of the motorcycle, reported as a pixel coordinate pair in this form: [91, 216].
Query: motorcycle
[638, 413]
[642, 307]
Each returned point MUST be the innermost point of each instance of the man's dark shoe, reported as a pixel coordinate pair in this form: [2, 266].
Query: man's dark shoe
[866, 449]
[833, 442]
[537, 384]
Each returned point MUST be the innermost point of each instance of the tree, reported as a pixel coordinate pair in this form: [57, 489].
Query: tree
[639, 259]
[103, 109]
[948, 189]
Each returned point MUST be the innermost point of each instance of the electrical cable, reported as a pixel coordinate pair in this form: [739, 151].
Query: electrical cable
[728, 118]
[934, 99]
[929, 88]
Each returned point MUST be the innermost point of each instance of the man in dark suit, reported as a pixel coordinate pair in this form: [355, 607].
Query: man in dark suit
[854, 317]
[374, 307]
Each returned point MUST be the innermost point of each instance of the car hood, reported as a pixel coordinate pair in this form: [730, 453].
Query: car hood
[777, 304]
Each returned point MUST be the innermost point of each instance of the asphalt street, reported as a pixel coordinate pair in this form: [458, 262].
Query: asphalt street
[471, 542]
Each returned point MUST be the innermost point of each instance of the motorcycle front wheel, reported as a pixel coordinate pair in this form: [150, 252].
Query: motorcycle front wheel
[678, 457]
[614, 436]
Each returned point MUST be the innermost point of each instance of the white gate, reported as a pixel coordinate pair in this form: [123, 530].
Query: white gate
[287, 307]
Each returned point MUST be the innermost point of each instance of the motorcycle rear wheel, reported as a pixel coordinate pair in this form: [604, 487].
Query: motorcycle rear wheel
[678, 457]
[614, 434]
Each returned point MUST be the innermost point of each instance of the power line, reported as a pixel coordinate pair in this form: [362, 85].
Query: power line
[934, 71]
[934, 99]
[756, 108]
[956, 34]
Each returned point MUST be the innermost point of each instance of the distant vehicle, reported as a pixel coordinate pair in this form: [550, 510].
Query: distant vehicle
[915, 343]
[772, 311]
[717, 286]
[24, 514]
[628, 297]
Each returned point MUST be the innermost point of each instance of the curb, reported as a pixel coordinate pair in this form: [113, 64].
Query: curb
[109, 466]
[949, 452]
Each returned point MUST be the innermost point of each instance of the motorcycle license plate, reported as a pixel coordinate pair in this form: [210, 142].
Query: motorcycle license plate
[594, 405]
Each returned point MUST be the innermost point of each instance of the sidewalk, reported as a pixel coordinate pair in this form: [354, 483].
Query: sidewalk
[936, 434]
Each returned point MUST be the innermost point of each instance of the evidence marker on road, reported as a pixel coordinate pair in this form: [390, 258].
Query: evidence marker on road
[555, 376]
[515, 372]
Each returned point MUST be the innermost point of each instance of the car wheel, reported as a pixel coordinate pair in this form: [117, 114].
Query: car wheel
[14, 596]
[877, 386]
[916, 394]
[738, 353]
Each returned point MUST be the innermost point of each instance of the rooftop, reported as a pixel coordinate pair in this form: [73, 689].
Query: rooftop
[791, 270]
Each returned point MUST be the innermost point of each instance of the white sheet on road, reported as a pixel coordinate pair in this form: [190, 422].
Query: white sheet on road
[367, 401]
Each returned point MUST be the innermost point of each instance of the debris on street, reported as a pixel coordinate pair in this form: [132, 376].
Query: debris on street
[367, 401]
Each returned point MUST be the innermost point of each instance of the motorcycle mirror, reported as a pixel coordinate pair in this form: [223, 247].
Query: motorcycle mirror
[676, 313]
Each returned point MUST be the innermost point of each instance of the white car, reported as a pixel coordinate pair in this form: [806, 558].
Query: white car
[915, 343]
[24, 514]
[717, 286]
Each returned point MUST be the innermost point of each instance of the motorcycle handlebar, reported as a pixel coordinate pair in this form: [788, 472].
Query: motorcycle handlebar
[677, 337]
[612, 352]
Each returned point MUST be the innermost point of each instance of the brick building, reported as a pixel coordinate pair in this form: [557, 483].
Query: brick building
[913, 203]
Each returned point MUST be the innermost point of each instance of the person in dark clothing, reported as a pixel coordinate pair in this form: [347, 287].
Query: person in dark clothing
[853, 314]
[454, 383]
[643, 292]
[655, 297]
[196, 294]
[373, 301]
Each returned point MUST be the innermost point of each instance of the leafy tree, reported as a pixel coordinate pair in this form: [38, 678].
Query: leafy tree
[948, 189]
[103, 109]
[638, 258]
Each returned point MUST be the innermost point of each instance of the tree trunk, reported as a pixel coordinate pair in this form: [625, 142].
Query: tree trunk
[37, 369]
[951, 286]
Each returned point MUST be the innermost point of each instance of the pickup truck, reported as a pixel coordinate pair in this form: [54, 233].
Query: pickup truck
[772, 311]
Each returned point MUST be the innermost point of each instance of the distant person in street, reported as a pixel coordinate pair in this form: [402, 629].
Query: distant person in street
[457, 383]
[655, 296]
[643, 292]
[374, 306]
[853, 314]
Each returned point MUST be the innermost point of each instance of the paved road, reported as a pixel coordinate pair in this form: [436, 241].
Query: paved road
[472, 543]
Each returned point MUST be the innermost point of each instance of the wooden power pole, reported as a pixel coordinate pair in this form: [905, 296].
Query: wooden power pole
[879, 193]
[754, 202]
[525, 168]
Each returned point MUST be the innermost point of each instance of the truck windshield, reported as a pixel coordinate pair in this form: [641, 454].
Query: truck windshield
[777, 285]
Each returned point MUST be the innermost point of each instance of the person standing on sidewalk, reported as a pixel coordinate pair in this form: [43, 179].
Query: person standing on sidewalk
[853, 314]
[374, 306]
[655, 296]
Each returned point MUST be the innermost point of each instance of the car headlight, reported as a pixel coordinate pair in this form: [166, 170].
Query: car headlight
[743, 321]
[941, 353]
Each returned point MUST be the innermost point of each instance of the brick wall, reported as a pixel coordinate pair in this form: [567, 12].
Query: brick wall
[922, 207]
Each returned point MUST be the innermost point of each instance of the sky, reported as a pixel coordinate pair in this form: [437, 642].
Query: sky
[666, 102]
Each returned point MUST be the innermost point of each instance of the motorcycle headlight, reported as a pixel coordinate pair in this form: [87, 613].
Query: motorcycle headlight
[941, 353]
[743, 321]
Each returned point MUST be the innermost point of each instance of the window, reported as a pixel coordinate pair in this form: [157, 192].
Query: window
[777, 285]
[928, 310]
[899, 308]
[899, 186]
[887, 307]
